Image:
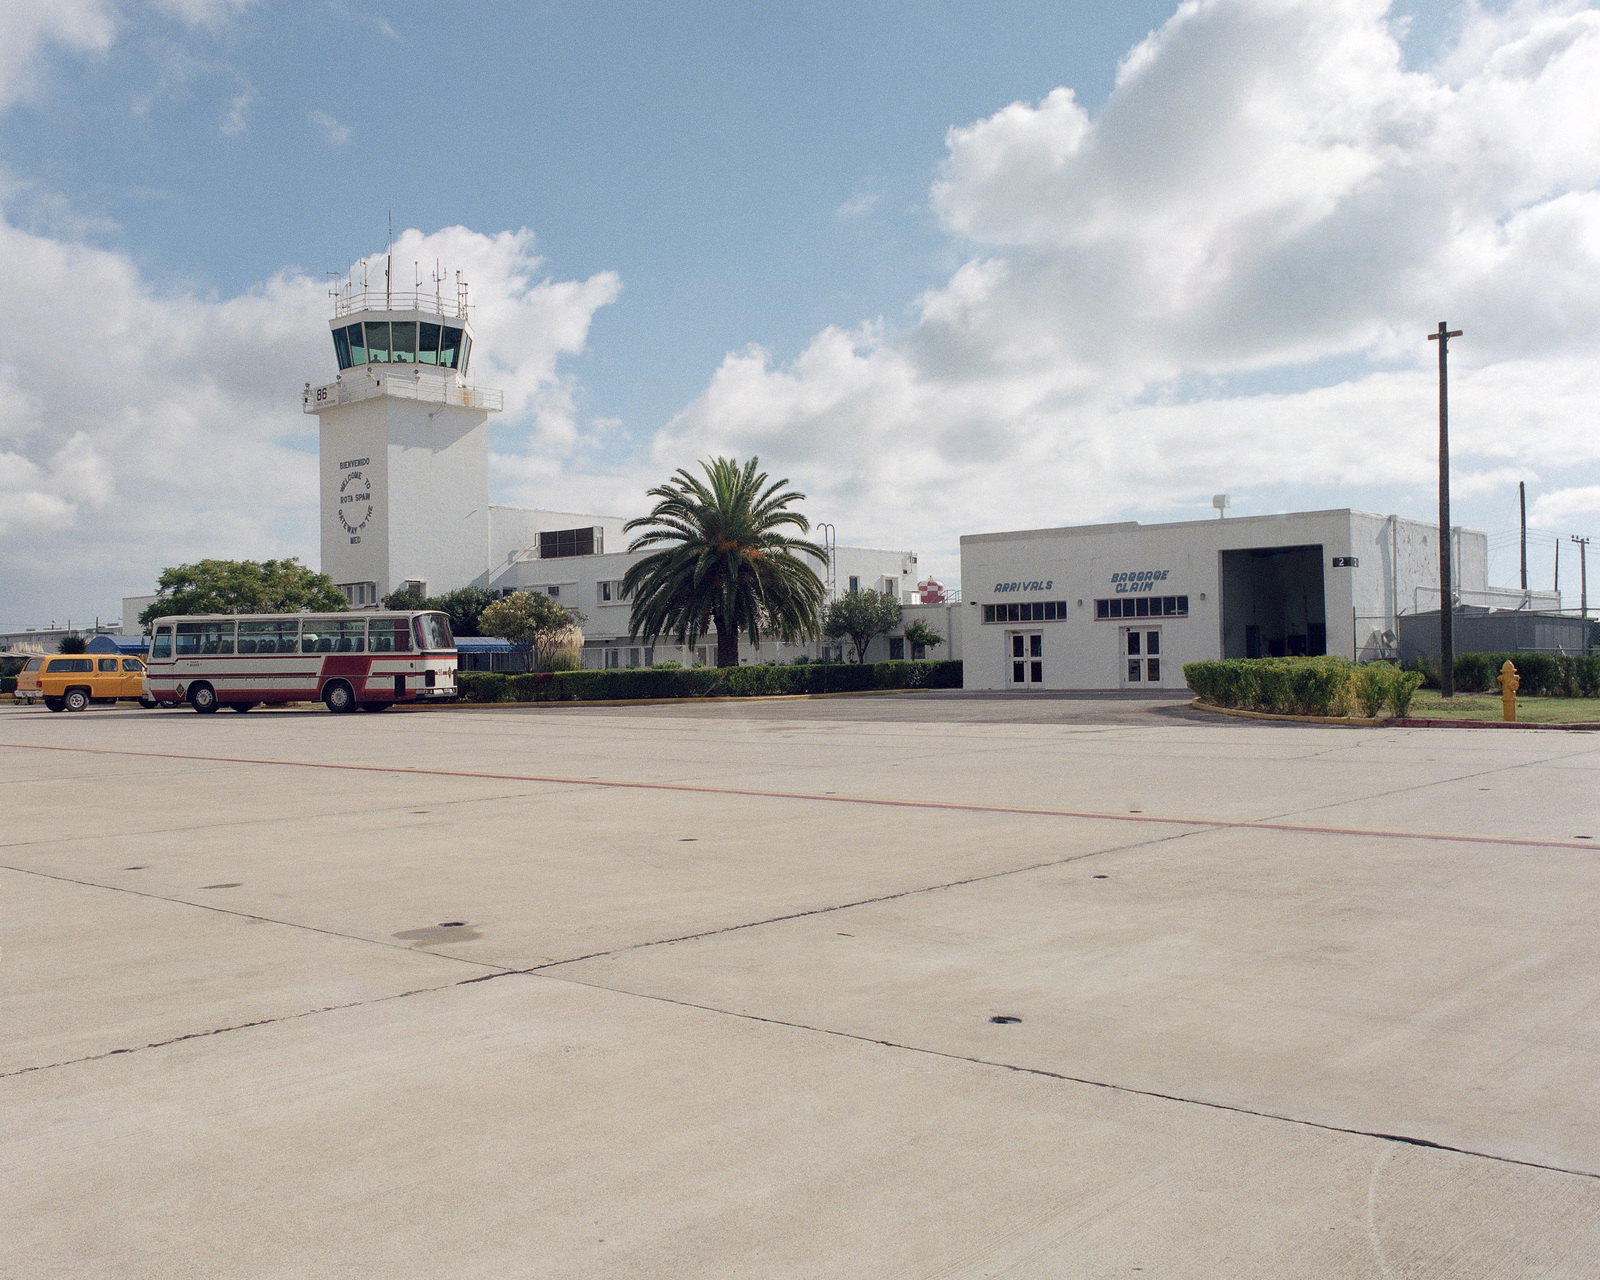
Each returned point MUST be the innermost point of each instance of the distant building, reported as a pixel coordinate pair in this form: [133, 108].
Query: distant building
[1124, 606]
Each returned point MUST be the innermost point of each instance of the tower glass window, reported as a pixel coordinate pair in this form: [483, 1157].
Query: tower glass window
[378, 341]
[341, 347]
[403, 342]
[466, 350]
[427, 343]
[449, 347]
[358, 345]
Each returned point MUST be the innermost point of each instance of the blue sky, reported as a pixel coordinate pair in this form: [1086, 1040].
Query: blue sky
[819, 232]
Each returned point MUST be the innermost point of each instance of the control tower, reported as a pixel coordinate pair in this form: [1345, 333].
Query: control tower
[404, 444]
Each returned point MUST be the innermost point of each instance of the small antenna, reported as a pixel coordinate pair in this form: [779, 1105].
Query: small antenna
[388, 268]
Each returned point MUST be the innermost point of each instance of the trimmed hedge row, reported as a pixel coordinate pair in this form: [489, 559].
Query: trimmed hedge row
[703, 682]
[1548, 674]
[8, 684]
[1303, 686]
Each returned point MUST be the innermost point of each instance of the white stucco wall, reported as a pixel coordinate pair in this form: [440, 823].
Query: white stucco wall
[1078, 565]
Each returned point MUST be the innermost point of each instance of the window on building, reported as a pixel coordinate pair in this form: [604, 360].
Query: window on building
[1143, 607]
[449, 347]
[553, 592]
[649, 657]
[360, 594]
[897, 649]
[613, 659]
[605, 593]
[557, 544]
[403, 342]
[633, 658]
[377, 341]
[427, 343]
[1027, 611]
[855, 585]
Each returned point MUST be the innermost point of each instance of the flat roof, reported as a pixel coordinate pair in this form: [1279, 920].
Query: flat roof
[1126, 526]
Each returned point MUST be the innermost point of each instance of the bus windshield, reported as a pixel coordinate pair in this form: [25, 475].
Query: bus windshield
[433, 632]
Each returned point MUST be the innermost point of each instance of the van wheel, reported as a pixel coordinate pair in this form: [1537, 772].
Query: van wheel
[339, 697]
[203, 698]
[146, 701]
[242, 707]
[376, 706]
[76, 700]
[56, 704]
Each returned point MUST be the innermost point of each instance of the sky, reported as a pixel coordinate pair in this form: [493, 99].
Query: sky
[950, 268]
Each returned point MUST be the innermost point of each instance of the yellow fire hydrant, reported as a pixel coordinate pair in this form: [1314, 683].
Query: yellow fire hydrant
[1509, 682]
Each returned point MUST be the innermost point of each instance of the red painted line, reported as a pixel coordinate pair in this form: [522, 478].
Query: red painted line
[938, 805]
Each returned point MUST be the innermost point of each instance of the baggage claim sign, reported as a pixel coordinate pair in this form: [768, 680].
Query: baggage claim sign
[1142, 580]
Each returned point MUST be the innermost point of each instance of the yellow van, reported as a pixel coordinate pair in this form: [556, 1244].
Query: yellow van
[72, 682]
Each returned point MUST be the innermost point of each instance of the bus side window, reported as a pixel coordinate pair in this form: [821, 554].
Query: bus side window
[161, 646]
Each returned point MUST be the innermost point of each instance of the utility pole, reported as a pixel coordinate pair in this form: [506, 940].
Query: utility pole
[1583, 575]
[1522, 507]
[1447, 638]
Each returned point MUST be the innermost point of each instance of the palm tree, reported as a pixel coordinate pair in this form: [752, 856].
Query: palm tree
[724, 561]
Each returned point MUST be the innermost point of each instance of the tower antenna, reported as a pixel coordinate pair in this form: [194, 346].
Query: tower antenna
[388, 267]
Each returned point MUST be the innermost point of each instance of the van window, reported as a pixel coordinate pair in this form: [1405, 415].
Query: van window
[106, 664]
[69, 664]
[132, 664]
[34, 664]
[161, 646]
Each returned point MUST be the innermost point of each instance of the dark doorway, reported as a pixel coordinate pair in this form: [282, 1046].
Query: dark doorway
[1272, 603]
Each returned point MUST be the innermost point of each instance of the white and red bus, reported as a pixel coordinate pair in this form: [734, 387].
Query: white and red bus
[348, 660]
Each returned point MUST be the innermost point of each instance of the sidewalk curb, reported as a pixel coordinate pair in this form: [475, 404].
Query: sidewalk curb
[1390, 722]
[458, 705]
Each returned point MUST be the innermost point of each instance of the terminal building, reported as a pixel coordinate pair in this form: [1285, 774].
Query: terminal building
[404, 467]
[1124, 606]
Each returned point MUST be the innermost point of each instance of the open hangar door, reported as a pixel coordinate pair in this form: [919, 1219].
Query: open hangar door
[1272, 603]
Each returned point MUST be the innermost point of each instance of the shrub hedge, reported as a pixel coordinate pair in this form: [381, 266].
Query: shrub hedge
[1302, 686]
[1548, 674]
[8, 684]
[703, 682]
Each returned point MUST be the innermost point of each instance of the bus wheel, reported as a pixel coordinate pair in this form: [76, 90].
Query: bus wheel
[241, 707]
[56, 704]
[76, 700]
[339, 697]
[203, 698]
[376, 706]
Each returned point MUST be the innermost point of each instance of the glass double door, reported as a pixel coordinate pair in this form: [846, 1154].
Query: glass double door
[1141, 655]
[1027, 658]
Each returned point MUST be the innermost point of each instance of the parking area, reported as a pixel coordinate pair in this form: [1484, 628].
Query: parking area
[937, 985]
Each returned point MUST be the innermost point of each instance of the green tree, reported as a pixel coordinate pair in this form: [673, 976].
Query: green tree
[537, 627]
[405, 599]
[72, 642]
[725, 561]
[243, 586]
[922, 636]
[861, 615]
[462, 606]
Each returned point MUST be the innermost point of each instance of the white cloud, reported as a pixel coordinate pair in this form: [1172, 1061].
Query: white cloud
[860, 203]
[139, 429]
[202, 13]
[1268, 187]
[238, 108]
[337, 133]
[30, 26]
